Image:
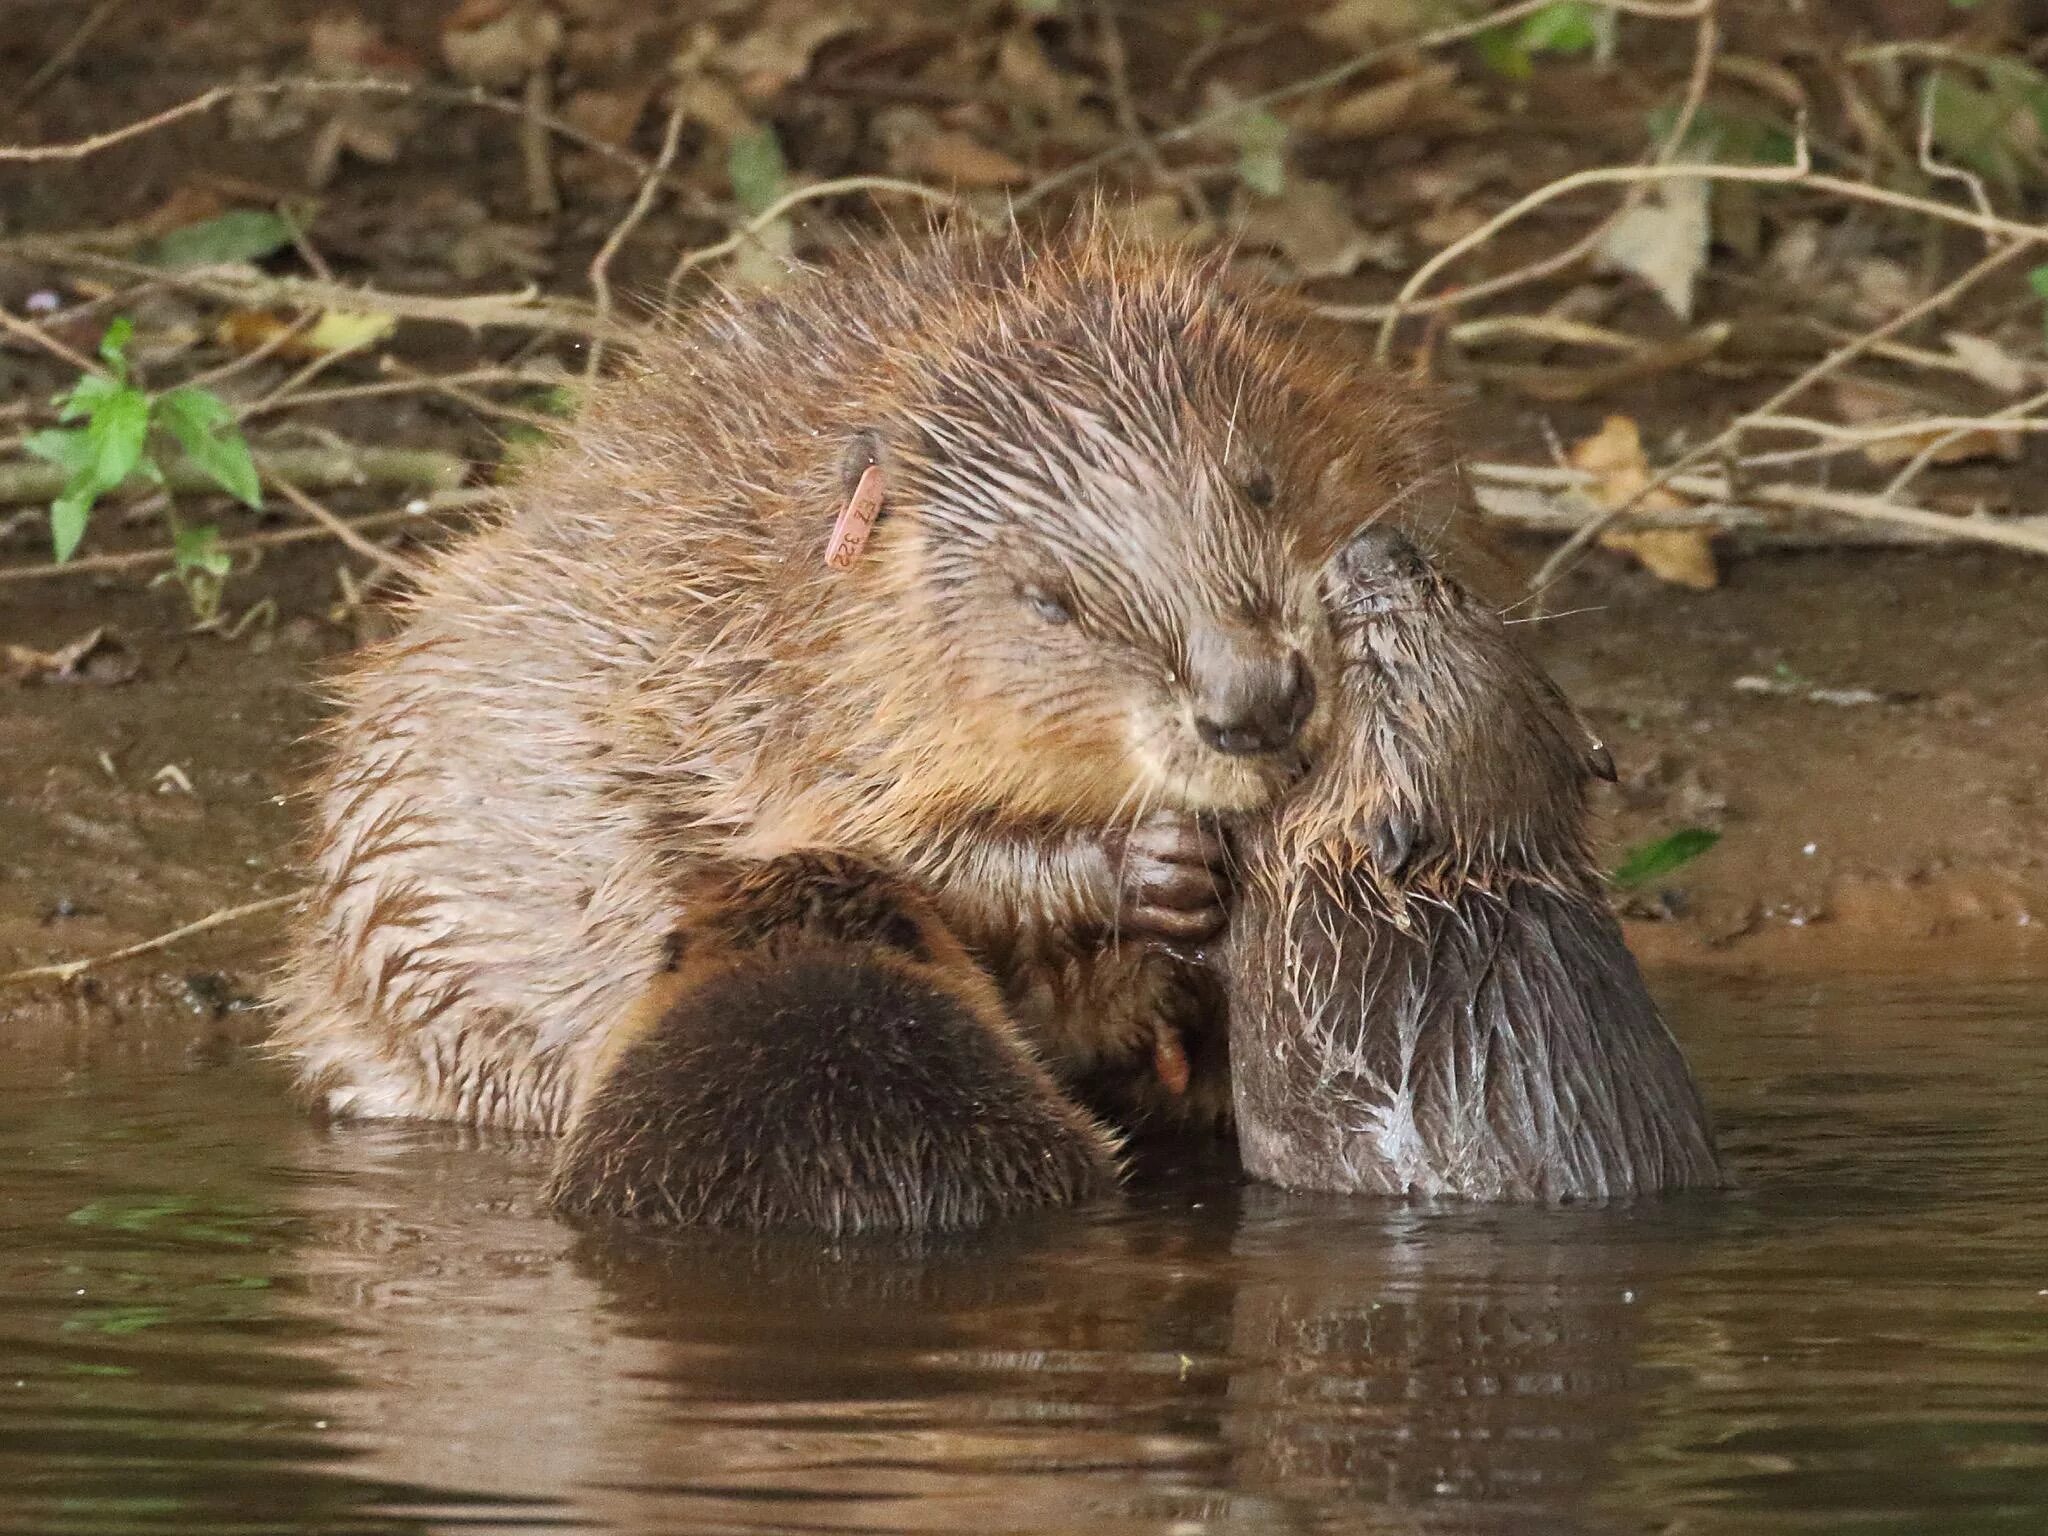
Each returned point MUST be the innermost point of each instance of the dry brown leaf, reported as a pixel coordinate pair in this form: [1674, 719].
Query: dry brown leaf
[1159, 218]
[1394, 104]
[1360, 24]
[610, 115]
[779, 50]
[497, 43]
[1683, 557]
[1310, 224]
[1614, 455]
[957, 158]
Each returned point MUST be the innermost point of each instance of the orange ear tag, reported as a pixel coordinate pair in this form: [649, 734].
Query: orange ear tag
[1170, 1060]
[856, 521]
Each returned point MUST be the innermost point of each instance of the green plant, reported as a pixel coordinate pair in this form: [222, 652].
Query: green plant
[1566, 28]
[118, 426]
[1652, 860]
[2037, 280]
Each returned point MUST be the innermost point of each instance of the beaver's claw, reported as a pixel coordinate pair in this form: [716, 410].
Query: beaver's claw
[1172, 882]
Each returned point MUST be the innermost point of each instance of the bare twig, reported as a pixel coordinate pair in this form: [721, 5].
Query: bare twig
[601, 263]
[2018, 420]
[71, 970]
[1721, 508]
[142, 559]
[1337, 74]
[301, 85]
[1605, 175]
[36, 336]
[60, 61]
[525, 309]
[536, 144]
[689, 261]
[396, 563]
[1730, 435]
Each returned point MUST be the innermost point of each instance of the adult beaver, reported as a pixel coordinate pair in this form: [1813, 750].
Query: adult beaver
[1089, 623]
[1428, 993]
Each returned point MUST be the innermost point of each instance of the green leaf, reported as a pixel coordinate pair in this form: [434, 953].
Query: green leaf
[69, 514]
[241, 234]
[1261, 152]
[87, 396]
[117, 430]
[198, 549]
[69, 451]
[1500, 48]
[205, 428]
[114, 346]
[757, 169]
[1653, 860]
[2038, 281]
[1569, 26]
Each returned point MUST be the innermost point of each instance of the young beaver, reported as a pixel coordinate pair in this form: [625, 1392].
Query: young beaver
[1088, 619]
[1428, 993]
[823, 1054]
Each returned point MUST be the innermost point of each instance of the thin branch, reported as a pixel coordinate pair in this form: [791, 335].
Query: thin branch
[36, 336]
[142, 559]
[395, 563]
[1725, 439]
[1722, 508]
[689, 261]
[71, 970]
[1337, 74]
[601, 263]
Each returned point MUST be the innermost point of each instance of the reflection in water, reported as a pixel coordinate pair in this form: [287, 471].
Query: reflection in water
[216, 1317]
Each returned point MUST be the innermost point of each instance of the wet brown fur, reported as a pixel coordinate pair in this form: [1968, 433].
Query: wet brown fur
[645, 668]
[823, 1054]
[1429, 995]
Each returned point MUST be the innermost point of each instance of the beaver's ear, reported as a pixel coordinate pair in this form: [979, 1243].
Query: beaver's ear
[1397, 837]
[863, 448]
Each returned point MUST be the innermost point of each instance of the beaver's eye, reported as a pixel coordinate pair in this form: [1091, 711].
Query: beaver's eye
[1048, 605]
[1259, 488]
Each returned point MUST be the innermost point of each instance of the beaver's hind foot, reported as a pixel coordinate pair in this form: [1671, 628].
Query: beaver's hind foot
[824, 1054]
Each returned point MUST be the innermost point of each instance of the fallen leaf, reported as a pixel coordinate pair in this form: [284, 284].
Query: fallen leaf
[1681, 557]
[1360, 24]
[1663, 241]
[780, 48]
[1310, 224]
[1159, 218]
[1989, 363]
[498, 43]
[1614, 456]
[919, 147]
[1381, 108]
[99, 657]
[342, 330]
[1954, 448]
[610, 115]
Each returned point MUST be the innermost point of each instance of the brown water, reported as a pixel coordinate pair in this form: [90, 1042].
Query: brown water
[216, 1317]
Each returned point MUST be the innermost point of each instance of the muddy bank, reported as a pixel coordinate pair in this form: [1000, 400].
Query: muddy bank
[1866, 732]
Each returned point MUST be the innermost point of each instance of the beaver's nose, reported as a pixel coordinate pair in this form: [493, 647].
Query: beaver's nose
[1248, 700]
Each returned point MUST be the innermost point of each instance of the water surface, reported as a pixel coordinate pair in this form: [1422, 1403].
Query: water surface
[217, 1317]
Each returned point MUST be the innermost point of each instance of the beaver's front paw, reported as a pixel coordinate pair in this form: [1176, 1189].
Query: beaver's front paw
[1173, 883]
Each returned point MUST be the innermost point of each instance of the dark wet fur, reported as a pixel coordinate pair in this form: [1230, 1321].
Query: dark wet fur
[1506, 1044]
[1430, 995]
[837, 1070]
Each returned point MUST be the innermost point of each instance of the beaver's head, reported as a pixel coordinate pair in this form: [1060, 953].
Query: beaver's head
[1116, 497]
